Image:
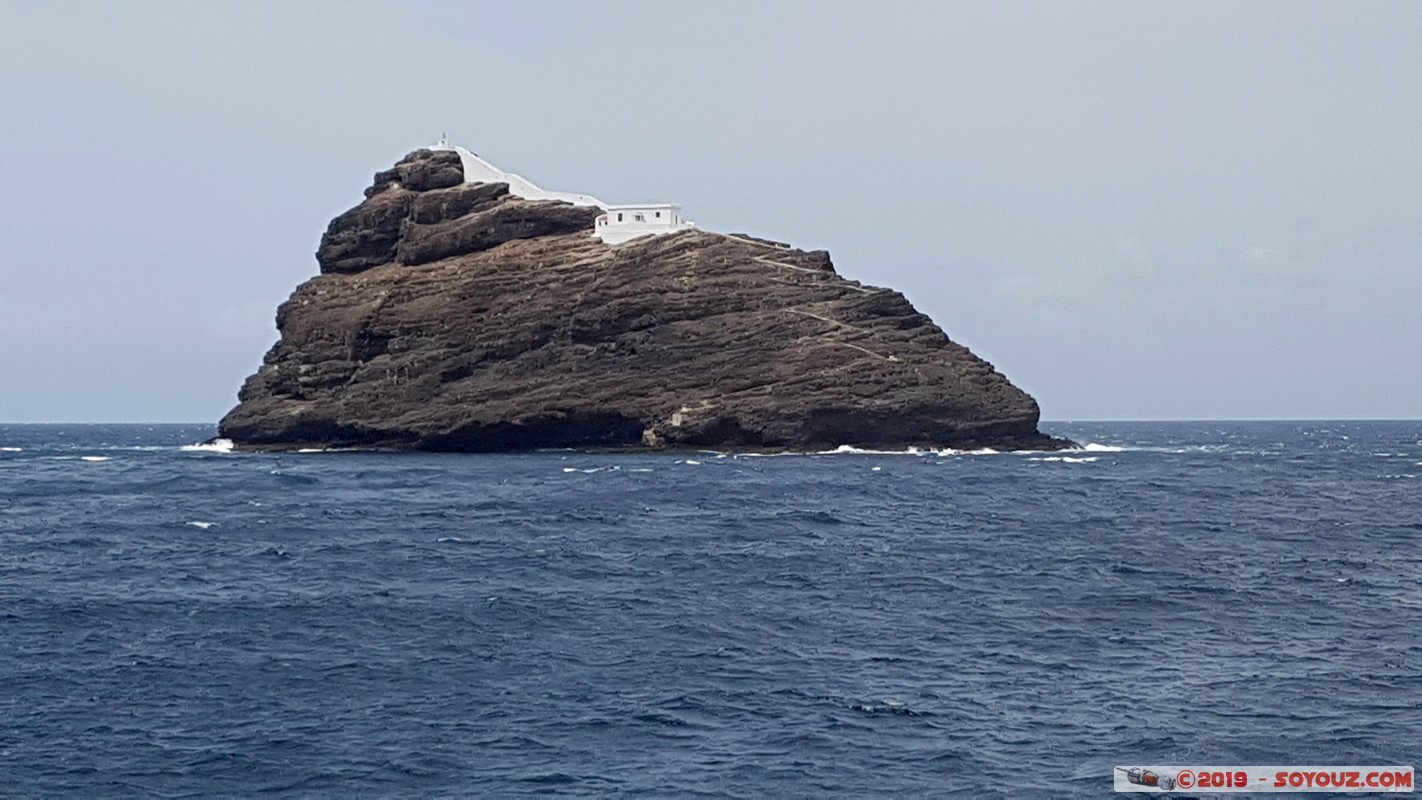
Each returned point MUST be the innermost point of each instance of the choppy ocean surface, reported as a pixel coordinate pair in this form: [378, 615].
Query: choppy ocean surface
[184, 622]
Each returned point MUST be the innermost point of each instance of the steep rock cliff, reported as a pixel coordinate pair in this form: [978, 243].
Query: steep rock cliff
[454, 316]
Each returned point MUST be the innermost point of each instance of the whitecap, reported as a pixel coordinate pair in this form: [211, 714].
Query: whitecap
[93, 458]
[849, 449]
[12, 449]
[214, 446]
[981, 451]
[145, 448]
[693, 463]
[1092, 447]
[203, 525]
[1070, 460]
[586, 471]
[639, 469]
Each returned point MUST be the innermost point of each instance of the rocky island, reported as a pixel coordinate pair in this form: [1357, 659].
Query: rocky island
[460, 308]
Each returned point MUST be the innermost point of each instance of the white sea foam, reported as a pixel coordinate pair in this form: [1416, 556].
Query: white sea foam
[214, 446]
[588, 471]
[849, 449]
[949, 452]
[693, 463]
[93, 458]
[12, 449]
[1092, 447]
[639, 469]
[203, 525]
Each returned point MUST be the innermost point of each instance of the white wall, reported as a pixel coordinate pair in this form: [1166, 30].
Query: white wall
[621, 223]
[657, 218]
[477, 170]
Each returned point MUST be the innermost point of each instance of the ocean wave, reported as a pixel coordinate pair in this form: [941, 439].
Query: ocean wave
[214, 446]
[849, 449]
[981, 451]
[1094, 447]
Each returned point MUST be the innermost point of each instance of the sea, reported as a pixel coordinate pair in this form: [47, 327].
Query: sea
[179, 620]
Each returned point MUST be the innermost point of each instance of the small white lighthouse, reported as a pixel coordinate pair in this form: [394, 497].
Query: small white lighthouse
[617, 224]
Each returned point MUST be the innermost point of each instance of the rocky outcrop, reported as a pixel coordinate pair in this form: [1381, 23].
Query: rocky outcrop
[454, 316]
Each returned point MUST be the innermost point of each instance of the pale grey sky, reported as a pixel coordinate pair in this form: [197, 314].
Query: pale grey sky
[1135, 210]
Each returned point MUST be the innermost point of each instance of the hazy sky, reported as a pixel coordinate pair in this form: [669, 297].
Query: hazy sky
[1144, 210]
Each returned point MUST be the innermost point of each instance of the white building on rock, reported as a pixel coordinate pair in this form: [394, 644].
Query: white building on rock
[620, 223]
[615, 225]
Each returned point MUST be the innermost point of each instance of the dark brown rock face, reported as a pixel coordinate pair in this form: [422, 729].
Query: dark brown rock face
[453, 316]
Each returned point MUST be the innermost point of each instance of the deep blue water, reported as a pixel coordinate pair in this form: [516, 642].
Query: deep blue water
[188, 623]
